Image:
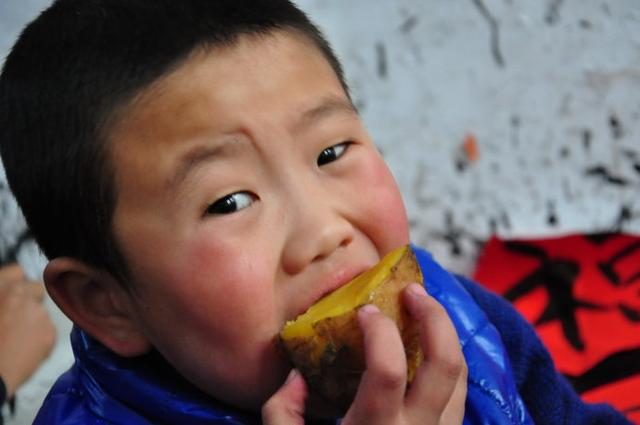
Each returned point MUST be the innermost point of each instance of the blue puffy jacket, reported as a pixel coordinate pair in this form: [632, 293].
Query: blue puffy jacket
[101, 388]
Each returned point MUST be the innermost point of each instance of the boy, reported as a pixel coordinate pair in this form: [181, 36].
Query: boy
[197, 175]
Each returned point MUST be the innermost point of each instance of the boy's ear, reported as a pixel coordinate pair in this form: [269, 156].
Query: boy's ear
[97, 303]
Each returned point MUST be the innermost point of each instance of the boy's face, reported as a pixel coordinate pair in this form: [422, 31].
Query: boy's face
[247, 189]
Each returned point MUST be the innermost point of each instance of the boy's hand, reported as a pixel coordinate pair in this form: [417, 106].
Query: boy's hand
[26, 332]
[437, 393]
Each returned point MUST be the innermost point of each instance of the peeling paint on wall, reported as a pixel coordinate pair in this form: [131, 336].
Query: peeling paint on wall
[547, 88]
[494, 29]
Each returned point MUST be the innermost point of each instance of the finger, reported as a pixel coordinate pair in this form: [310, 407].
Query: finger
[36, 290]
[381, 391]
[286, 406]
[436, 379]
[454, 412]
[11, 272]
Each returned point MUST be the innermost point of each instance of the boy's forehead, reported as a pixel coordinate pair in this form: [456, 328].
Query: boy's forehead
[218, 90]
[183, 84]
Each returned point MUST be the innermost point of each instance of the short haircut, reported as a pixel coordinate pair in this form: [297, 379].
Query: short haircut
[69, 73]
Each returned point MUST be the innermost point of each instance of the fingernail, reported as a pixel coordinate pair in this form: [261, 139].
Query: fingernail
[368, 309]
[292, 374]
[416, 290]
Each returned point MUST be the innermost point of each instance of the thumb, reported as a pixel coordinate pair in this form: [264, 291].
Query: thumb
[286, 406]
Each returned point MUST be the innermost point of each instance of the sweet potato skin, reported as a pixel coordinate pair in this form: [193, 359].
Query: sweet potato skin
[336, 374]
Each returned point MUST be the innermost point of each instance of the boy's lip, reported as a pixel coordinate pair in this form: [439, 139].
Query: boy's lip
[337, 278]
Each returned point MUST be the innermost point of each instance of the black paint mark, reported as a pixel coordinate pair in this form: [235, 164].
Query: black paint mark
[553, 12]
[632, 314]
[461, 165]
[381, 58]
[504, 220]
[557, 276]
[625, 215]
[634, 158]
[409, 24]
[585, 24]
[587, 137]
[607, 268]
[452, 235]
[494, 29]
[564, 152]
[599, 238]
[493, 226]
[616, 127]
[604, 174]
[515, 129]
[11, 256]
[552, 217]
[455, 235]
[615, 367]
[501, 221]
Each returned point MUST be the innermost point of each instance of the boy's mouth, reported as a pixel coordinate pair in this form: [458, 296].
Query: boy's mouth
[329, 283]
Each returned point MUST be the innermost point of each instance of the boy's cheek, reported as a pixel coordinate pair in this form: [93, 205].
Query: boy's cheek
[223, 301]
[388, 222]
[391, 224]
[228, 274]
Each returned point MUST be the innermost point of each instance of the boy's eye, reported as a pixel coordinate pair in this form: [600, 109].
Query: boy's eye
[231, 203]
[332, 153]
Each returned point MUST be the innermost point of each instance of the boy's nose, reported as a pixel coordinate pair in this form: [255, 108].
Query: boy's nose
[317, 230]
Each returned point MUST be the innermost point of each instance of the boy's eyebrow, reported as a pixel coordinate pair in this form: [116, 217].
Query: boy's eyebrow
[328, 106]
[201, 154]
[194, 158]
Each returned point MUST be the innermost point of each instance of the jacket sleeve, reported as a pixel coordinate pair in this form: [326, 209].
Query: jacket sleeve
[548, 396]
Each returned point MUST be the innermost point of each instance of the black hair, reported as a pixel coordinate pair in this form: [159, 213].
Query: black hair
[64, 81]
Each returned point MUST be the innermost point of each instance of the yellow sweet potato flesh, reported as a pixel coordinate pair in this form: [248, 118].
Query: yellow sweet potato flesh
[326, 344]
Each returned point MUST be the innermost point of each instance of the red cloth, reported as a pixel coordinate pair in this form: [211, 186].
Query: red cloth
[582, 293]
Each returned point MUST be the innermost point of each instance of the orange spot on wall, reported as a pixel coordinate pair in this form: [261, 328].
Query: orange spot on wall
[470, 148]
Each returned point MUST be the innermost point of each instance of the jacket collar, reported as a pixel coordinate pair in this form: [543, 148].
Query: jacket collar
[145, 389]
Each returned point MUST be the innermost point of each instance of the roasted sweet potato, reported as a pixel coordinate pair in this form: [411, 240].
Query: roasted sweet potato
[325, 343]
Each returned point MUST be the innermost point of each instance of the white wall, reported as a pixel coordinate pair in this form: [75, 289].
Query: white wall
[551, 93]
[550, 90]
